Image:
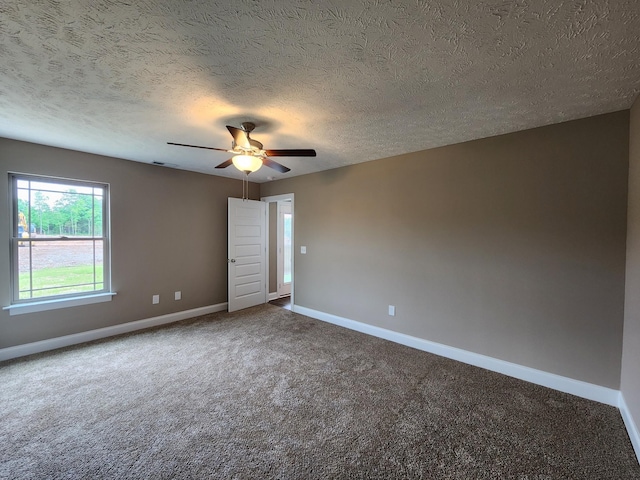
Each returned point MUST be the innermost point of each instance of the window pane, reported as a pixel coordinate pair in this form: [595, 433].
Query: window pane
[59, 267]
[287, 248]
[97, 220]
[59, 210]
[40, 212]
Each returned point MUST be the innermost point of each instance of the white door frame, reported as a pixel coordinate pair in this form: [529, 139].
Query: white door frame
[275, 198]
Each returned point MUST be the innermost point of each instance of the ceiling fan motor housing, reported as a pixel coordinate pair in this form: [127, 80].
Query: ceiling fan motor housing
[253, 147]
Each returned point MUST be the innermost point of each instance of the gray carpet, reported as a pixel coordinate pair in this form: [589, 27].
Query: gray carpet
[267, 393]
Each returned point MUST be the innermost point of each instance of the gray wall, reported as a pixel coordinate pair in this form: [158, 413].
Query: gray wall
[169, 232]
[631, 353]
[511, 246]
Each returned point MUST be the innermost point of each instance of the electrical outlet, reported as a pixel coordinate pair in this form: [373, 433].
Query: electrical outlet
[155, 299]
[392, 310]
[178, 296]
[303, 250]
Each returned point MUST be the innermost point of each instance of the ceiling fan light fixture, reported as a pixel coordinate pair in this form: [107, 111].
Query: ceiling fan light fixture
[247, 163]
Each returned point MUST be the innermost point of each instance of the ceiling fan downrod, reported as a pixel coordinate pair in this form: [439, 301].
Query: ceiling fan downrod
[248, 126]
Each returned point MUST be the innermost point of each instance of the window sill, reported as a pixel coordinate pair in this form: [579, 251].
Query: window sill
[44, 305]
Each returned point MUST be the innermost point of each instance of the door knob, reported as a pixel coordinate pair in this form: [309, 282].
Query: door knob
[231, 260]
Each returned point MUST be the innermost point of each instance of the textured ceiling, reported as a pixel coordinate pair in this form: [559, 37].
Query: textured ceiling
[357, 80]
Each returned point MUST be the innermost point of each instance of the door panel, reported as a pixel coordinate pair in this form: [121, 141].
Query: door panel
[247, 256]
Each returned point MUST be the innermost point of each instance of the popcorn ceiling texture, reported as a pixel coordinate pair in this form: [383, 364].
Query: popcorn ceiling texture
[357, 80]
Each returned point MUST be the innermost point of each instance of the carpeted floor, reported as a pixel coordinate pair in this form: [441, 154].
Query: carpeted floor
[267, 393]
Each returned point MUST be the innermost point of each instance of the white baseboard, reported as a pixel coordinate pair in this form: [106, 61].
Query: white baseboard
[273, 296]
[65, 341]
[632, 427]
[539, 377]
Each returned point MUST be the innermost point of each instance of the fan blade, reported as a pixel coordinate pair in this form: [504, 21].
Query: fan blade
[198, 146]
[275, 165]
[225, 164]
[239, 136]
[291, 153]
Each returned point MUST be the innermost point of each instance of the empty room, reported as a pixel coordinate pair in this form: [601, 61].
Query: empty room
[355, 239]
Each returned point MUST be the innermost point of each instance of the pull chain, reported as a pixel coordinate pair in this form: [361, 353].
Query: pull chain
[245, 186]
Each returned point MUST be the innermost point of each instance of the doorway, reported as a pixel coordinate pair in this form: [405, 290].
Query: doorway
[280, 249]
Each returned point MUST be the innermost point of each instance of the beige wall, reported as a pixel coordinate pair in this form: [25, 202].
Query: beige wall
[630, 386]
[169, 232]
[511, 246]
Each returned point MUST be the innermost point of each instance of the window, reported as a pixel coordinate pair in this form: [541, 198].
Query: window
[60, 242]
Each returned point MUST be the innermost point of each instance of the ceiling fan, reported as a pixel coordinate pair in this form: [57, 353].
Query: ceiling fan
[250, 154]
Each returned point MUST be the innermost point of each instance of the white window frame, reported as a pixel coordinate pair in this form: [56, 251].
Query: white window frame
[20, 306]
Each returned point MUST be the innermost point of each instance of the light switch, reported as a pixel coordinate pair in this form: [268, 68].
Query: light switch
[392, 310]
[303, 250]
[155, 299]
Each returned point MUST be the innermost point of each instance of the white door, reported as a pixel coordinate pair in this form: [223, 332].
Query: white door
[284, 251]
[247, 255]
